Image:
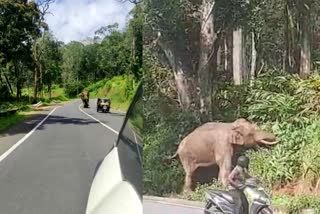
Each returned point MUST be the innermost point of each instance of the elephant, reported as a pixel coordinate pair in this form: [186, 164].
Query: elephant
[214, 143]
[85, 98]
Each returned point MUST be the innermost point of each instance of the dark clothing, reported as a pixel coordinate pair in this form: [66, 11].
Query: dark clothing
[240, 200]
[239, 176]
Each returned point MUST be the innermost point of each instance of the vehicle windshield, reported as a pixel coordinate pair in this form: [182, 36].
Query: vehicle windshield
[133, 124]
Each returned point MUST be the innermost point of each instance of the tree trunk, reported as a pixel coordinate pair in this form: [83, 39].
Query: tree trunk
[228, 53]
[18, 89]
[286, 64]
[291, 48]
[184, 76]
[305, 51]
[8, 84]
[18, 83]
[40, 80]
[208, 54]
[49, 90]
[239, 73]
[253, 58]
[219, 56]
[35, 89]
[185, 88]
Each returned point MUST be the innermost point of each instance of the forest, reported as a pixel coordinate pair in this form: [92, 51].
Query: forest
[35, 66]
[220, 60]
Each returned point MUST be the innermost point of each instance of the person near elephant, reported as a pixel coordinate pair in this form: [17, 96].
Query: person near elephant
[237, 179]
[215, 143]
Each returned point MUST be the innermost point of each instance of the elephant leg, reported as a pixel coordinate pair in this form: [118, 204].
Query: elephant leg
[189, 168]
[224, 171]
[188, 183]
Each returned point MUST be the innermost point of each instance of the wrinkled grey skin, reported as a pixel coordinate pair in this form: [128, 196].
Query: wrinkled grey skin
[213, 143]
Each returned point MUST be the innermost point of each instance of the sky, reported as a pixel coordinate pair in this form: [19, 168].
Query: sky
[76, 20]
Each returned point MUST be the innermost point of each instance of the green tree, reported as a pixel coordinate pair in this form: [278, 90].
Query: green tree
[135, 34]
[50, 59]
[19, 26]
[73, 64]
[114, 54]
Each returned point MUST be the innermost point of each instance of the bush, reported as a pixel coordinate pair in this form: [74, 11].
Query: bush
[72, 89]
[297, 203]
[289, 107]
[120, 89]
[163, 124]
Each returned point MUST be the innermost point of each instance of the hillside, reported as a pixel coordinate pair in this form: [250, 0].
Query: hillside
[120, 89]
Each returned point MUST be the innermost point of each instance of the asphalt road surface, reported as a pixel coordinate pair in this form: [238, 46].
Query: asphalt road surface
[51, 170]
[155, 207]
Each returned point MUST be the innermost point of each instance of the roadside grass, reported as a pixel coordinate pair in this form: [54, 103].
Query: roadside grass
[57, 95]
[119, 89]
[9, 121]
[24, 106]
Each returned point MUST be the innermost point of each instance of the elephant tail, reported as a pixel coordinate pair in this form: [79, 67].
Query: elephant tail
[173, 156]
[168, 160]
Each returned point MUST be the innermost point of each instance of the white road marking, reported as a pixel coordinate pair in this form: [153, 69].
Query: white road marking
[108, 127]
[9, 151]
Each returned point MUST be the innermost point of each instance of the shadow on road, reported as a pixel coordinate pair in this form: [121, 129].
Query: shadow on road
[30, 123]
[115, 114]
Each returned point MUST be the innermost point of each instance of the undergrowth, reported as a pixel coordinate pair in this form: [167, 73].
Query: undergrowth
[119, 89]
[7, 122]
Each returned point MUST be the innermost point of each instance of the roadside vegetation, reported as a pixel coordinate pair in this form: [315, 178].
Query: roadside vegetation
[270, 77]
[120, 89]
[11, 120]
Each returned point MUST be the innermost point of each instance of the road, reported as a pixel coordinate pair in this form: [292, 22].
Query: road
[52, 169]
[156, 207]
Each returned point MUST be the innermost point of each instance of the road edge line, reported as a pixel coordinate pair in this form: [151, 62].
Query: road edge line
[12, 148]
[175, 202]
[106, 126]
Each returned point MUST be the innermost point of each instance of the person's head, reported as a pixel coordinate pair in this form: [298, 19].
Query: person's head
[243, 161]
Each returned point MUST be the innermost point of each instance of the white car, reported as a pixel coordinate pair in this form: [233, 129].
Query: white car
[117, 185]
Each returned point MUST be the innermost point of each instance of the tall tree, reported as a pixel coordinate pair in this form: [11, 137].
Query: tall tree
[72, 66]
[208, 56]
[19, 25]
[186, 35]
[305, 36]
[135, 32]
[49, 59]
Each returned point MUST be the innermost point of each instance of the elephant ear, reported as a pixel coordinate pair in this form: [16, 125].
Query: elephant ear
[237, 135]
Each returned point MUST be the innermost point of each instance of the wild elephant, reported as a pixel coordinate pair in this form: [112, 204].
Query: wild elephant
[214, 143]
[85, 98]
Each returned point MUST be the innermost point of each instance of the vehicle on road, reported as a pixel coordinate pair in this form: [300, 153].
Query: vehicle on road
[103, 105]
[221, 202]
[117, 184]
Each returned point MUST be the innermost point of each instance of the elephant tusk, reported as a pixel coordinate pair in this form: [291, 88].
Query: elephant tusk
[268, 143]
